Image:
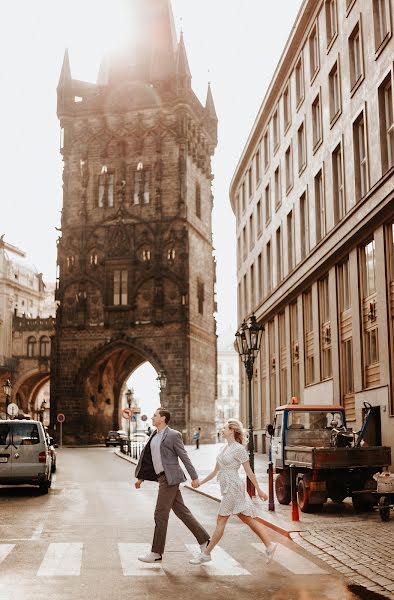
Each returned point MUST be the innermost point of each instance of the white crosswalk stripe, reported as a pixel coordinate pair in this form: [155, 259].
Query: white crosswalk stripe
[62, 560]
[132, 567]
[5, 549]
[292, 561]
[222, 565]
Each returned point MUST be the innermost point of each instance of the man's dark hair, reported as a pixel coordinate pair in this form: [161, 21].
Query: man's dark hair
[164, 413]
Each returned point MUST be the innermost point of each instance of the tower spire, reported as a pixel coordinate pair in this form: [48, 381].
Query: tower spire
[210, 105]
[182, 64]
[65, 78]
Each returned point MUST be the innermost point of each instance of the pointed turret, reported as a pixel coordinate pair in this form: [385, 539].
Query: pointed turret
[65, 78]
[64, 88]
[182, 64]
[210, 114]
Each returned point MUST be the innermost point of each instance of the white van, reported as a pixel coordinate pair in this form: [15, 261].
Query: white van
[24, 454]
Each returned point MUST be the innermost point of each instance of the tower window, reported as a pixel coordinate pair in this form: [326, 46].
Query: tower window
[93, 259]
[120, 287]
[70, 262]
[146, 255]
[171, 254]
[200, 297]
[198, 200]
[106, 189]
[141, 187]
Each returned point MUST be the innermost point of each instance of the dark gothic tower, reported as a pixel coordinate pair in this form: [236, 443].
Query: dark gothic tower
[135, 256]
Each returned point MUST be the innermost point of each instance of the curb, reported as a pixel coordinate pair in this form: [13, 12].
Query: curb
[273, 523]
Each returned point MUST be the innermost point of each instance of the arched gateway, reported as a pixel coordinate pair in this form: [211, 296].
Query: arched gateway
[136, 267]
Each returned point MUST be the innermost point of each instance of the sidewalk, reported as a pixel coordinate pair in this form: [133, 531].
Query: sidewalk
[358, 545]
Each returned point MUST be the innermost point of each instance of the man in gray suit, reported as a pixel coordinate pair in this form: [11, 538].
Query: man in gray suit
[159, 462]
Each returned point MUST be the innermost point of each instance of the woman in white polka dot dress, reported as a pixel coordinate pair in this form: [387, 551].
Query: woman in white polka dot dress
[235, 500]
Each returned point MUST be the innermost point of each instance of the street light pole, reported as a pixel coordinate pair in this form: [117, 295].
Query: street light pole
[129, 398]
[248, 339]
[162, 382]
[7, 389]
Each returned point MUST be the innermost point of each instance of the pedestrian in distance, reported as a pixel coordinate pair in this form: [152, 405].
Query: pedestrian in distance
[235, 500]
[196, 437]
[148, 431]
[159, 462]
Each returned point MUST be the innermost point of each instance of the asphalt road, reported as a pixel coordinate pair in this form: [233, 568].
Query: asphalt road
[81, 542]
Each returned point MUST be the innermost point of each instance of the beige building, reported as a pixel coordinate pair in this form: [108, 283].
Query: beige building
[313, 197]
[227, 402]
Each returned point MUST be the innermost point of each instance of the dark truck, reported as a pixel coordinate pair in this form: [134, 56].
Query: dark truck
[329, 459]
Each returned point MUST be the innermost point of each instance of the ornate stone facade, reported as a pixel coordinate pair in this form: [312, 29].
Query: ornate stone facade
[136, 270]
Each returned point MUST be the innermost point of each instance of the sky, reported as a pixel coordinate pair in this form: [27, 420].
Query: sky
[236, 44]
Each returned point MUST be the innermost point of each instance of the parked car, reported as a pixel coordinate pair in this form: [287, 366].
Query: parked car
[116, 438]
[24, 454]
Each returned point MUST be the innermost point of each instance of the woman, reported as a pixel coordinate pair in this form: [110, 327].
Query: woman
[235, 501]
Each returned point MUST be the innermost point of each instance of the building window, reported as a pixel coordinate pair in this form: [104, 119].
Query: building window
[278, 199]
[314, 51]
[145, 255]
[251, 232]
[295, 353]
[369, 269]
[320, 207]
[31, 347]
[334, 84]
[120, 278]
[269, 267]
[200, 297]
[244, 244]
[93, 260]
[283, 358]
[245, 286]
[386, 115]
[257, 162]
[141, 186]
[301, 138]
[260, 277]
[275, 126]
[381, 21]
[259, 213]
[338, 184]
[299, 80]
[371, 347]
[243, 197]
[331, 21]
[106, 189]
[250, 182]
[347, 367]
[45, 346]
[356, 57]
[304, 225]
[289, 168]
[317, 130]
[70, 262]
[198, 200]
[360, 156]
[344, 286]
[267, 200]
[325, 329]
[272, 366]
[287, 107]
[308, 339]
[290, 241]
[266, 146]
[171, 254]
[279, 255]
[252, 288]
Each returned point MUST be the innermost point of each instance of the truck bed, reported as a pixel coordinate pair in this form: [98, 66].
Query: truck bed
[337, 458]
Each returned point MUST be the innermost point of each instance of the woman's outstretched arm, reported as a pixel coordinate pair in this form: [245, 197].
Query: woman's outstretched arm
[211, 475]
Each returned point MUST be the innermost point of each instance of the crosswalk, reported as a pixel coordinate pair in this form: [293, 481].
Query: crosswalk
[67, 559]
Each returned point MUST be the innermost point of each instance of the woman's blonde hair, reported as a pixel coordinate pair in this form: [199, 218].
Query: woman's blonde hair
[238, 429]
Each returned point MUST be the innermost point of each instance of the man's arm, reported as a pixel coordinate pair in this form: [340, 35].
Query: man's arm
[179, 449]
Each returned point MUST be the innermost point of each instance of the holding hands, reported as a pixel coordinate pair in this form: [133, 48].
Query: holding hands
[195, 483]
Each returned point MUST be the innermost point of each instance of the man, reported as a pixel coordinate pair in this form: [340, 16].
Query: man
[159, 462]
[196, 437]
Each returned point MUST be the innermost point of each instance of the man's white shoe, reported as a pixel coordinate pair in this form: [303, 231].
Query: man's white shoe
[270, 551]
[204, 546]
[200, 559]
[151, 557]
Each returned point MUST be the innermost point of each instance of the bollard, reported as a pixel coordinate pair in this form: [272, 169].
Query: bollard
[294, 503]
[270, 471]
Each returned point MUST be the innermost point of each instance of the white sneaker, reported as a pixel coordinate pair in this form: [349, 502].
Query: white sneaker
[151, 557]
[204, 546]
[200, 559]
[270, 551]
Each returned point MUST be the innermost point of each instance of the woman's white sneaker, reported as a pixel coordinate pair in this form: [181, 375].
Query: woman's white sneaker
[200, 559]
[270, 551]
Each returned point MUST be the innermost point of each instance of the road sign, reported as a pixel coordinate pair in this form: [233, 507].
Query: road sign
[12, 409]
[127, 413]
[144, 418]
[61, 418]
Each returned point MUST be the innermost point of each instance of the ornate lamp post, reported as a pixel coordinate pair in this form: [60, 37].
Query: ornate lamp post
[42, 410]
[7, 389]
[161, 381]
[129, 398]
[248, 339]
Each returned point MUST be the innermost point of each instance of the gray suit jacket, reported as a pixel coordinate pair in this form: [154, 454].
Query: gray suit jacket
[171, 449]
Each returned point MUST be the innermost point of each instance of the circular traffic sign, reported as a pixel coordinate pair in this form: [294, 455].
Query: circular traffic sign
[127, 413]
[12, 409]
[144, 418]
[61, 418]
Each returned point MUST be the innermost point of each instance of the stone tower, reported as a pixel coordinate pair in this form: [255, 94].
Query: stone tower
[135, 257]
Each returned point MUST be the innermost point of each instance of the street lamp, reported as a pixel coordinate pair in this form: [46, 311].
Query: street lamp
[161, 381]
[42, 410]
[129, 398]
[248, 340]
[7, 389]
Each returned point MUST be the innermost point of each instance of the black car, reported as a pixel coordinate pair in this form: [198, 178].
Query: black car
[115, 438]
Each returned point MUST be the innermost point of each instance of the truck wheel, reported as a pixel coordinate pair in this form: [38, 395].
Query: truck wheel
[282, 489]
[303, 497]
[384, 508]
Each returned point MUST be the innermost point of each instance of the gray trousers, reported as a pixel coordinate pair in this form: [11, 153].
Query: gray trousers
[170, 497]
